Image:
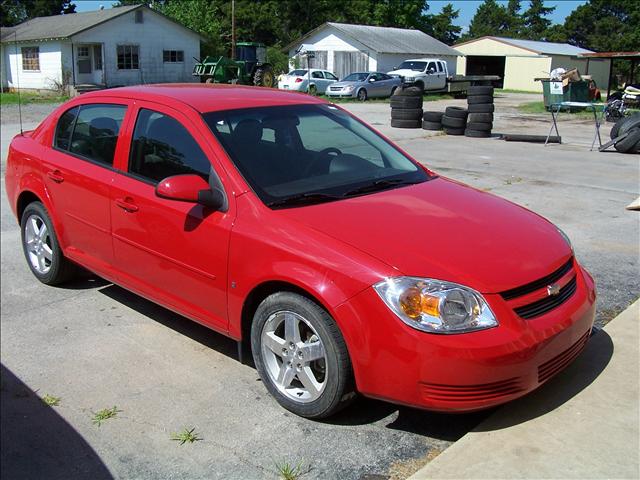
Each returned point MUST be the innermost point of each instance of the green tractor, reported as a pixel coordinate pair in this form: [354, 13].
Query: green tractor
[248, 68]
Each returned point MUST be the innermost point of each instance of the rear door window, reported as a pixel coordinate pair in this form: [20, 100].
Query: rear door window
[316, 75]
[163, 147]
[64, 129]
[95, 132]
[440, 69]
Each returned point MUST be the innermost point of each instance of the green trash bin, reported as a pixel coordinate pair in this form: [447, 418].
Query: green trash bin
[572, 92]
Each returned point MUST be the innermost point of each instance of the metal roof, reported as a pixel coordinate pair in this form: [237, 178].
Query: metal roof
[65, 26]
[548, 48]
[388, 39]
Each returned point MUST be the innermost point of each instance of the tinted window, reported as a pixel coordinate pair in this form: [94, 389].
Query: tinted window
[439, 66]
[294, 150]
[162, 147]
[316, 75]
[95, 132]
[64, 128]
[330, 76]
[431, 68]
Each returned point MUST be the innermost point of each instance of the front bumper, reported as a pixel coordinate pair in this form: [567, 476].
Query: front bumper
[340, 94]
[469, 371]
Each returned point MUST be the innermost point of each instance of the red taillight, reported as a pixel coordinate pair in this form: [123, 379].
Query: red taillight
[298, 80]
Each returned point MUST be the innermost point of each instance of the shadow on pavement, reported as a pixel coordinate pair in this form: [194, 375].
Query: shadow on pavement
[201, 334]
[39, 443]
[560, 389]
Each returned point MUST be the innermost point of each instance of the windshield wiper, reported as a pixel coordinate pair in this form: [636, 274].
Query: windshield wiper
[379, 185]
[303, 199]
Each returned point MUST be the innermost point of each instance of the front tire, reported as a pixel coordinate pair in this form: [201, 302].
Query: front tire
[301, 356]
[41, 248]
[362, 95]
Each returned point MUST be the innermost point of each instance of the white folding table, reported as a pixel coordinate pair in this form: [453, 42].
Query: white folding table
[555, 109]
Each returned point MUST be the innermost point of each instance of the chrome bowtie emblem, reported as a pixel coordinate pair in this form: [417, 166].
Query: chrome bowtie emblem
[553, 290]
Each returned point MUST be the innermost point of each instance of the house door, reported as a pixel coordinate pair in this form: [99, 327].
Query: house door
[345, 63]
[89, 67]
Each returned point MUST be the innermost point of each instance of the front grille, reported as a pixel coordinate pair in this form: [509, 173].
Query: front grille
[466, 393]
[559, 362]
[538, 284]
[540, 307]
[335, 89]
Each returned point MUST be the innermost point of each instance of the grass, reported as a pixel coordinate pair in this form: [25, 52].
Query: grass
[11, 98]
[186, 436]
[289, 471]
[511, 90]
[100, 416]
[51, 400]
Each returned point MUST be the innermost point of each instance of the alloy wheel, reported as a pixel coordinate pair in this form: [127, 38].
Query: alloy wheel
[38, 244]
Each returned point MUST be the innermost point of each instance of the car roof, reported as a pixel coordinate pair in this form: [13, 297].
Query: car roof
[207, 97]
[422, 59]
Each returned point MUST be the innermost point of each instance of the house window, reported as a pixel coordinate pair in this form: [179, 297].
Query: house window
[84, 60]
[138, 16]
[31, 58]
[172, 56]
[128, 57]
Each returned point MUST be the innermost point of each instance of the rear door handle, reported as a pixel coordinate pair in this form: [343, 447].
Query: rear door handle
[55, 175]
[127, 204]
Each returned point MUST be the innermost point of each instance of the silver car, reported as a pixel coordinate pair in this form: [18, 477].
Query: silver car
[363, 85]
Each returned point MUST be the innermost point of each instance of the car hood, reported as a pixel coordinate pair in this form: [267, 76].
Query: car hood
[345, 84]
[445, 230]
[405, 72]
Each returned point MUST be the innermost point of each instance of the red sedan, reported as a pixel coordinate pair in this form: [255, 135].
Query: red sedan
[286, 223]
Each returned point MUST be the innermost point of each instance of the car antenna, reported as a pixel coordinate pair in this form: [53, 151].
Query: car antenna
[15, 43]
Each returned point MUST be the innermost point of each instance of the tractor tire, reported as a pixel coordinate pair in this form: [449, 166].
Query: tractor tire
[628, 144]
[263, 76]
[209, 80]
[481, 108]
[401, 123]
[454, 131]
[477, 133]
[406, 113]
[408, 92]
[432, 116]
[427, 125]
[451, 122]
[480, 90]
[624, 125]
[480, 126]
[480, 117]
[475, 99]
[456, 112]
[403, 101]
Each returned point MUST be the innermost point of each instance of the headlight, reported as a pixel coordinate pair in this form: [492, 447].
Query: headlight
[436, 306]
[348, 88]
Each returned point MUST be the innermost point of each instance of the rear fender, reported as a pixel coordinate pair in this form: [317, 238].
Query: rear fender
[32, 183]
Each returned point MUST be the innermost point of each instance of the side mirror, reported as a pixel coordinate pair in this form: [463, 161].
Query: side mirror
[190, 188]
[371, 80]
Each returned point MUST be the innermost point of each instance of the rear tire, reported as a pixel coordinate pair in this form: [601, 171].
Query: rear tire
[313, 90]
[263, 77]
[41, 248]
[301, 356]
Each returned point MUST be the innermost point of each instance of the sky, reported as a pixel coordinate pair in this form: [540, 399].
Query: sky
[467, 8]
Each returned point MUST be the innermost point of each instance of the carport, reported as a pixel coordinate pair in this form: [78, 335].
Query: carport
[632, 57]
[487, 65]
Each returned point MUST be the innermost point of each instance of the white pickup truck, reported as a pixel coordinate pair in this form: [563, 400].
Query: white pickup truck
[432, 74]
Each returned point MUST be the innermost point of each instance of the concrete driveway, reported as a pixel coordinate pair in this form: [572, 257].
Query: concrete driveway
[96, 346]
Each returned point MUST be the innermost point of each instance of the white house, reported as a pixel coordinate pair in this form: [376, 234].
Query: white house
[519, 62]
[111, 47]
[343, 48]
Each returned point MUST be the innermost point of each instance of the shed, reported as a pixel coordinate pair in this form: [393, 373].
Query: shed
[519, 61]
[103, 48]
[344, 48]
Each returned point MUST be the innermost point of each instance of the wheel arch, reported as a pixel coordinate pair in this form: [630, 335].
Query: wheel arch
[261, 291]
[361, 89]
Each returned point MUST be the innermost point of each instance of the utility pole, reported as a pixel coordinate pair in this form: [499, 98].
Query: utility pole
[233, 29]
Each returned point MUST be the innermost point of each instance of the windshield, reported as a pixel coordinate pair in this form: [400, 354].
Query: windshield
[356, 77]
[415, 66]
[298, 154]
[297, 73]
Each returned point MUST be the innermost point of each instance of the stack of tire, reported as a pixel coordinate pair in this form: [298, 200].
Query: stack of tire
[630, 126]
[432, 120]
[454, 120]
[406, 107]
[480, 106]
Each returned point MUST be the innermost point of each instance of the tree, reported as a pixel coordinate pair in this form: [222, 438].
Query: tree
[605, 25]
[13, 12]
[535, 22]
[489, 19]
[442, 27]
[514, 24]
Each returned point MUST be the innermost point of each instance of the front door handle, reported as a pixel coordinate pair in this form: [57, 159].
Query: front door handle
[127, 204]
[55, 175]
